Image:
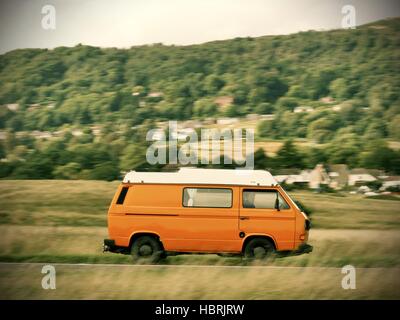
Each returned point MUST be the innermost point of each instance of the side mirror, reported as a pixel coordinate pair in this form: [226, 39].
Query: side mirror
[277, 204]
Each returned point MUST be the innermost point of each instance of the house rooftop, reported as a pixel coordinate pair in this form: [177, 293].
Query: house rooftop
[204, 176]
[391, 178]
[338, 167]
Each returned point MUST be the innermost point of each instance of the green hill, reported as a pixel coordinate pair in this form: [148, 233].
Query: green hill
[116, 89]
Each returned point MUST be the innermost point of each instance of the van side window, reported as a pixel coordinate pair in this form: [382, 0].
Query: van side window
[263, 199]
[122, 195]
[207, 197]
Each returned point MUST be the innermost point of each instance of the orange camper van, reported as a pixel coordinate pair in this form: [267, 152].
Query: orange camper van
[154, 214]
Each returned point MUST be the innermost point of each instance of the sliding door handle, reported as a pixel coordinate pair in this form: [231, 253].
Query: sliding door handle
[244, 218]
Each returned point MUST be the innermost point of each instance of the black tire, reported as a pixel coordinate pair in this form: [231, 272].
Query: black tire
[147, 249]
[259, 248]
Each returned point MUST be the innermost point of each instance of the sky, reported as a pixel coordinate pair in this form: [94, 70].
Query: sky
[126, 23]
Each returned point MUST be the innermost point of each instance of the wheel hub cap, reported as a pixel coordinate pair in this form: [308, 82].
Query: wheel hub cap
[145, 250]
[259, 252]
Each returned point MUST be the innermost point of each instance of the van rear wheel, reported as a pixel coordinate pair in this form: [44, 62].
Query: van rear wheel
[259, 248]
[146, 249]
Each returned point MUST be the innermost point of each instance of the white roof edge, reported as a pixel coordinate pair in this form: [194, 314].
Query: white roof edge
[204, 176]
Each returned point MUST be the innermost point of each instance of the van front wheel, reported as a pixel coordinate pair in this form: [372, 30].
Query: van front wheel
[146, 249]
[259, 248]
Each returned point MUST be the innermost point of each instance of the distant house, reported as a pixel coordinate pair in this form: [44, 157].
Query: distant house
[77, 133]
[337, 108]
[155, 94]
[12, 106]
[96, 130]
[318, 176]
[267, 117]
[327, 100]
[290, 176]
[390, 181]
[303, 178]
[338, 175]
[301, 109]
[224, 101]
[41, 134]
[227, 121]
[334, 176]
[293, 176]
[360, 176]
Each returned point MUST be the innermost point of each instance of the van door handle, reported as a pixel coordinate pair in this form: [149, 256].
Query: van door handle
[244, 218]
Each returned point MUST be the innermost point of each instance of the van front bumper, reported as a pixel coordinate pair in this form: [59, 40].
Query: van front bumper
[304, 248]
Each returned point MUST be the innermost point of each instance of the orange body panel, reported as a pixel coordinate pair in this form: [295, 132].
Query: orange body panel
[158, 209]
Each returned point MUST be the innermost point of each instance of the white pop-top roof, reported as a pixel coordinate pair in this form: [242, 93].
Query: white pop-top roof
[204, 176]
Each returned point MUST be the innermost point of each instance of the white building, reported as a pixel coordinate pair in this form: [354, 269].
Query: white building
[337, 108]
[301, 109]
[360, 176]
[318, 176]
[391, 181]
[227, 121]
[267, 117]
[12, 106]
[304, 177]
[155, 95]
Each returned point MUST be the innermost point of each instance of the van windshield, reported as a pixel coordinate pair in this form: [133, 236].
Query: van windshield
[291, 200]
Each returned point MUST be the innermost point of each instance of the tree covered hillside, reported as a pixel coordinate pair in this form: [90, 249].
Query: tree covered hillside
[357, 71]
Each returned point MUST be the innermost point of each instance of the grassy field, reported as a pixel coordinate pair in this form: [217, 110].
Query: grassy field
[85, 203]
[149, 282]
[65, 222]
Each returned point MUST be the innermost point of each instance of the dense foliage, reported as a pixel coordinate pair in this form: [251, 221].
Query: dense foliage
[120, 89]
